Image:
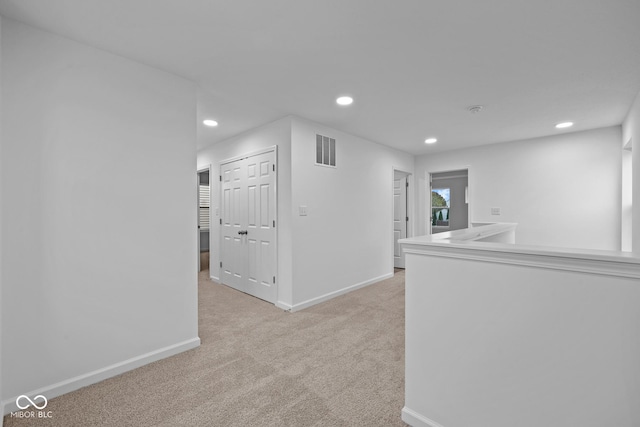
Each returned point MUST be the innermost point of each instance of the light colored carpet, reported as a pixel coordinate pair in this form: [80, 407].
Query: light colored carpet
[339, 363]
[204, 260]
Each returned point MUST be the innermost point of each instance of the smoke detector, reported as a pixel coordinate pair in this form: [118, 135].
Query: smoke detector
[474, 109]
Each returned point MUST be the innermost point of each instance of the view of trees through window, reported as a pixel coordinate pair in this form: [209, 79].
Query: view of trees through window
[440, 206]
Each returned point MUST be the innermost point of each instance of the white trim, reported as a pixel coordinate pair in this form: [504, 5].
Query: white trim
[325, 166]
[409, 202]
[546, 258]
[214, 278]
[71, 384]
[283, 305]
[448, 177]
[276, 272]
[451, 169]
[250, 154]
[414, 419]
[205, 168]
[330, 295]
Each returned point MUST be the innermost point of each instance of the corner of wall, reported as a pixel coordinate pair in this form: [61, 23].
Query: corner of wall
[1, 323]
[285, 209]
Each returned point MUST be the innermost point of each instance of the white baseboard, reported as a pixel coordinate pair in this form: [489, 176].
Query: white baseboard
[215, 279]
[283, 306]
[414, 419]
[66, 386]
[325, 297]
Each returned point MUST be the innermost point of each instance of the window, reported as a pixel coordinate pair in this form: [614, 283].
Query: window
[440, 207]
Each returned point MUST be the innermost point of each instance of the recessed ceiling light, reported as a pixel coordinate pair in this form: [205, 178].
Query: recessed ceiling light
[344, 100]
[210, 123]
[564, 125]
[431, 140]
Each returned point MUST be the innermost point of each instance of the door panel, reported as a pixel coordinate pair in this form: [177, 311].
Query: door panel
[399, 219]
[233, 269]
[253, 268]
[236, 200]
[252, 201]
[249, 263]
[265, 216]
[267, 250]
[261, 231]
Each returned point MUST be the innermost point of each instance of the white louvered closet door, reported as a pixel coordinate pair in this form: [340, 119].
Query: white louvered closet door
[204, 204]
[248, 251]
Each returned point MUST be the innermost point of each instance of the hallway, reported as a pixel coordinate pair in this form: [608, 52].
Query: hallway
[335, 364]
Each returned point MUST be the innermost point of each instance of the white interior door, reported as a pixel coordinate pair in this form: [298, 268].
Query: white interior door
[248, 250]
[399, 219]
[232, 193]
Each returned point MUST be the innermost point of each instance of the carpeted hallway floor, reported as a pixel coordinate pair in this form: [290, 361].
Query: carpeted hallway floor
[339, 363]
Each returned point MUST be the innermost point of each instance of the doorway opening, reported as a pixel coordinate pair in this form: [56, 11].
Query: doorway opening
[448, 201]
[204, 218]
[627, 197]
[401, 224]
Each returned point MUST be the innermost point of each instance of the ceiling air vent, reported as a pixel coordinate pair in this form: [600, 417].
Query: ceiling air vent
[325, 151]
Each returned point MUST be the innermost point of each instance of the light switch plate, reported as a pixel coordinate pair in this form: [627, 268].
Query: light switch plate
[302, 210]
[495, 211]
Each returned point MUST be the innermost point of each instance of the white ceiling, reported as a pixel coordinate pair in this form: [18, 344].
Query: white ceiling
[413, 66]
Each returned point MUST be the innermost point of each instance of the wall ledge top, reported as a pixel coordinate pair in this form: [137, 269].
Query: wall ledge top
[449, 245]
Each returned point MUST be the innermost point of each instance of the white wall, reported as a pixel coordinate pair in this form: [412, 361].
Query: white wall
[503, 339]
[278, 134]
[347, 238]
[1, 210]
[562, 190]
[84, 132]
[631, 132]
